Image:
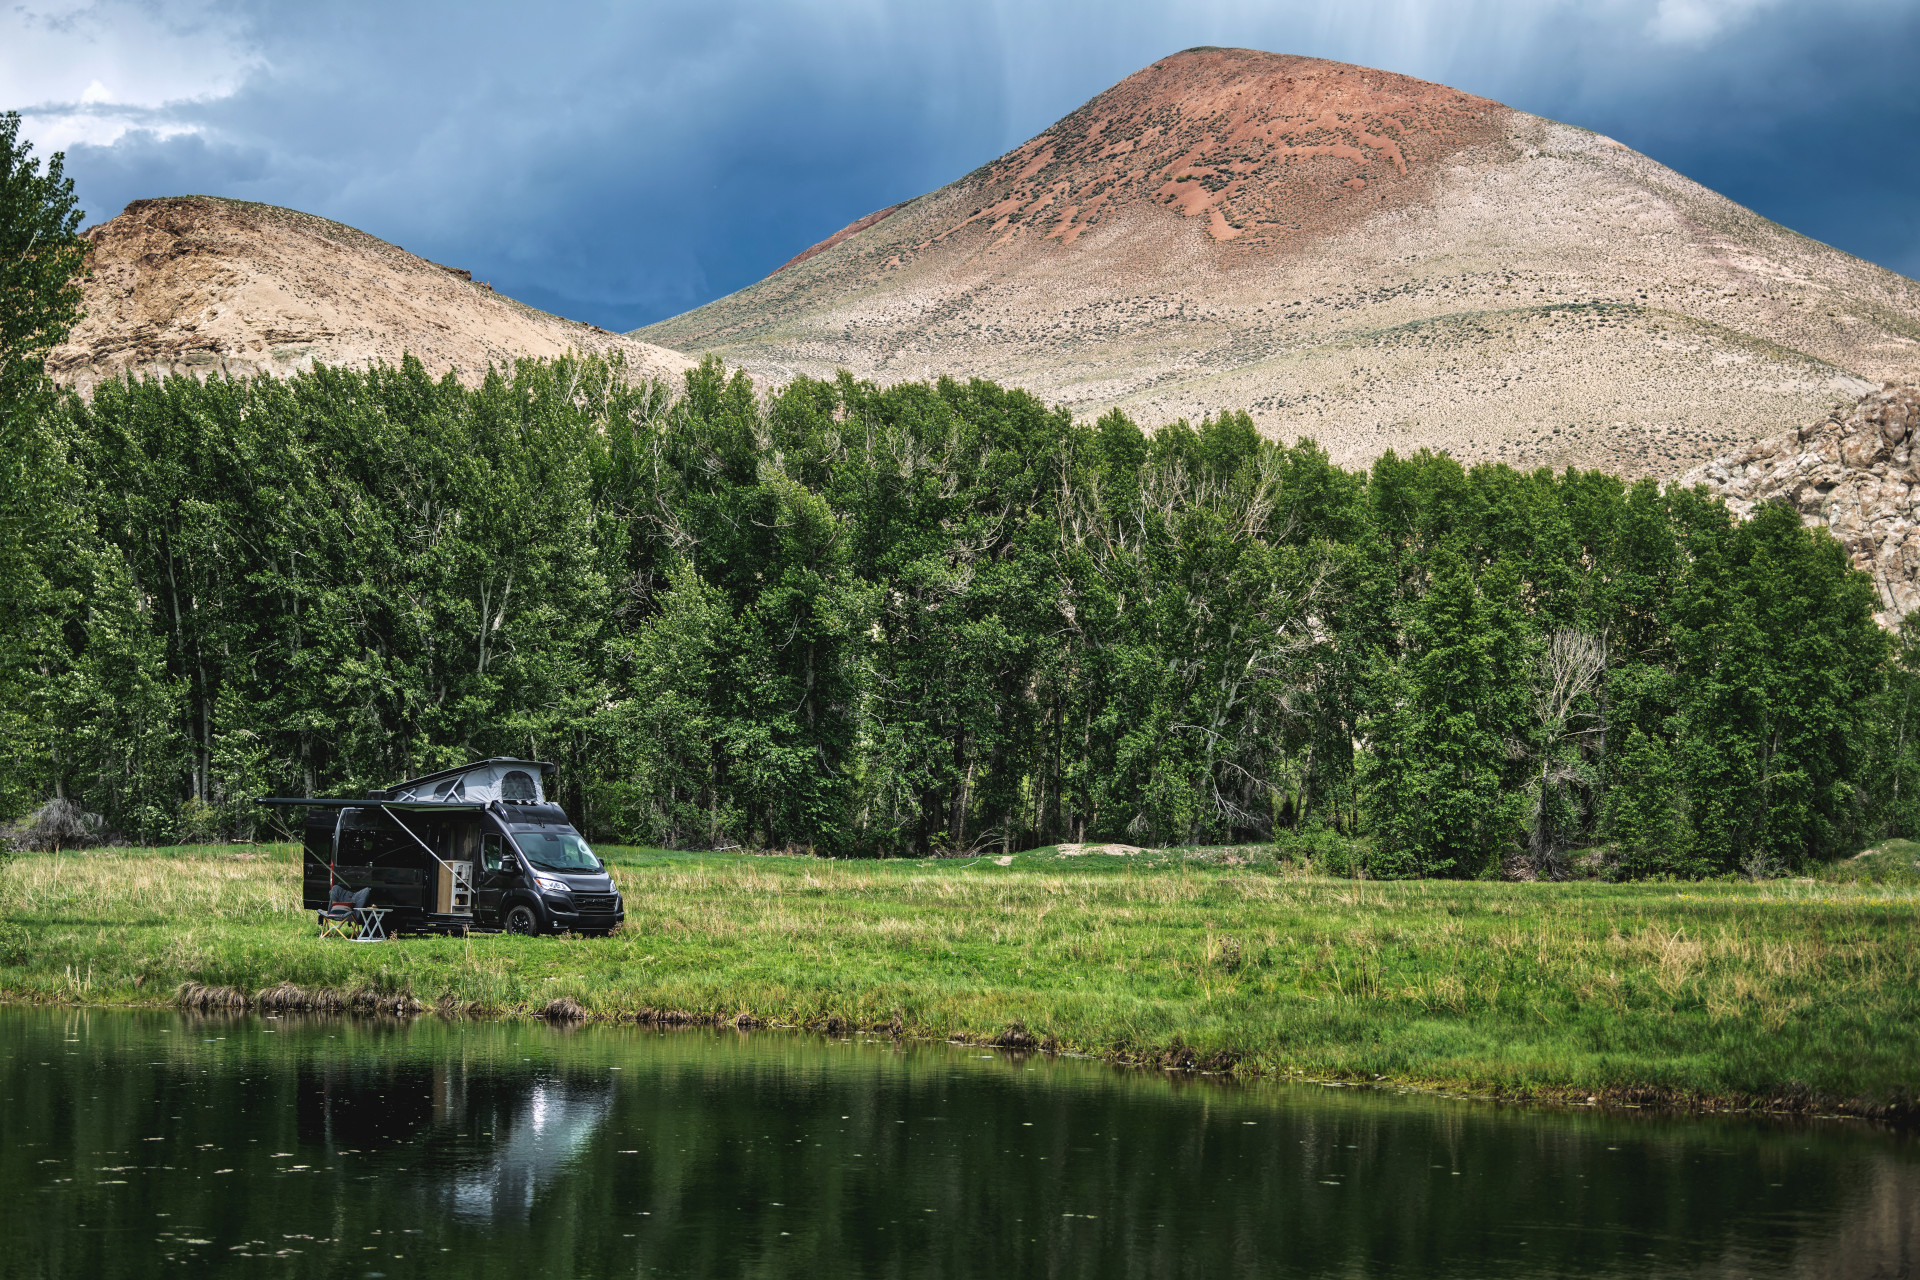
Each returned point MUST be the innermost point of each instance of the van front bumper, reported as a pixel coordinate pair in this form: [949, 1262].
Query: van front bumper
[565, 913]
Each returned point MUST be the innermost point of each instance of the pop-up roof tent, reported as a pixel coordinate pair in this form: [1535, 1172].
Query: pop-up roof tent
[479, 783]
[473, 786]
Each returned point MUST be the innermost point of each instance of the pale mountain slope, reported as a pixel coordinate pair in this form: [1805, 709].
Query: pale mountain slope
[195, 284]
[1368, 259]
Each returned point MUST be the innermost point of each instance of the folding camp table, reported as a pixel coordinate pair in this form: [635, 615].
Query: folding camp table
[372, 920]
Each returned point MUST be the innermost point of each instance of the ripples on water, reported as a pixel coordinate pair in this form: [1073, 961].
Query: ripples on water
[136, 1144]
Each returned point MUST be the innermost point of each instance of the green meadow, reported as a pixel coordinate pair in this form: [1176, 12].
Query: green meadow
[1787, 992]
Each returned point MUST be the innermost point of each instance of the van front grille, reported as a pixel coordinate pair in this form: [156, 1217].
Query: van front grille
[596, 902]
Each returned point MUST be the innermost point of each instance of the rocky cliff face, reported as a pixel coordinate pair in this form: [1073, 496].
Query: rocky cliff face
[1854, 472]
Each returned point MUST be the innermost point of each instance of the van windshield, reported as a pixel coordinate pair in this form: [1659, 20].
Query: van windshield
[555, 849]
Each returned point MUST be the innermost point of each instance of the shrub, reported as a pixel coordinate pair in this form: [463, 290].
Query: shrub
[199, 823]
[1326, 851]
[56, 825]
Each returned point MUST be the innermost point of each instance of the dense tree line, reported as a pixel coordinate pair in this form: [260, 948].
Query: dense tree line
[41, 255]
[933, 618]
[925, 618]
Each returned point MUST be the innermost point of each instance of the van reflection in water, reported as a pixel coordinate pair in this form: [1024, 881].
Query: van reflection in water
[137, 1145]
[488, 1142]
[552, 1126]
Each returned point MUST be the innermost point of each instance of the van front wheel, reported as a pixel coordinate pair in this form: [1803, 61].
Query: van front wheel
[522, 920]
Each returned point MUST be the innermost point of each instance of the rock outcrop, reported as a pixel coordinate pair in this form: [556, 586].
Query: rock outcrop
[1855, 473]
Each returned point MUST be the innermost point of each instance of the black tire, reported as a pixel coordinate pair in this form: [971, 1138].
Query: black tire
[522, 919]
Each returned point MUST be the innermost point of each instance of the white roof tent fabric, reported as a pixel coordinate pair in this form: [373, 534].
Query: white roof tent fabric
[482, 782]
[471, 786]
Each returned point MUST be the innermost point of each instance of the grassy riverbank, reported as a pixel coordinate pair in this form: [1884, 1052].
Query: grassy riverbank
[1796, 990]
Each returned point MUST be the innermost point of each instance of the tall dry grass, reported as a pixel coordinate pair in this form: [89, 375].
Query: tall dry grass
[1735, 991]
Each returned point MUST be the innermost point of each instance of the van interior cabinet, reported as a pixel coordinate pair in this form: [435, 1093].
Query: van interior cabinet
[454, 895]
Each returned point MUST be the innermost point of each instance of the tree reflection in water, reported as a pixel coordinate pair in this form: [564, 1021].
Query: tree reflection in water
[133, 1143]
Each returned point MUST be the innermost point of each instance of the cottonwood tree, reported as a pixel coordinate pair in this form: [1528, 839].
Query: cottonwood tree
[1442, 795]
[929, 618]
[1566, 676]
[1778, 655]
[42, 257]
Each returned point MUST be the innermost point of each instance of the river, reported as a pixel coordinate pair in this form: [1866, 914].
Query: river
[142, 1144]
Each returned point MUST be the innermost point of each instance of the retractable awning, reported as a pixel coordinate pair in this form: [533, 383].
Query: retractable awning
[335, 802]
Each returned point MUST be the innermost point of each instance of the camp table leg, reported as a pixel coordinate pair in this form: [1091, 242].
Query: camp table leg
[373, 926]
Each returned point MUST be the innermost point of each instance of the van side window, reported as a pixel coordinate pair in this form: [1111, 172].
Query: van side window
[490, 852]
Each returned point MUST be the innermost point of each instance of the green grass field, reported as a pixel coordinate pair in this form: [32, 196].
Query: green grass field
[1796, 992]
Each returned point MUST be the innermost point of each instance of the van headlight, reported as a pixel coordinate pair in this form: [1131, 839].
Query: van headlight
[550, 885]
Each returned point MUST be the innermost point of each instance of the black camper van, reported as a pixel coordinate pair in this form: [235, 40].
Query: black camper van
[474, 848]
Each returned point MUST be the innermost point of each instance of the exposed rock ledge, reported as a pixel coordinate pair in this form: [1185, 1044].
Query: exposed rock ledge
[1855, 474]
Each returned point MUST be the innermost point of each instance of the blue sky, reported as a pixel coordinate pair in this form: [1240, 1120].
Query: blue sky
[622, 163]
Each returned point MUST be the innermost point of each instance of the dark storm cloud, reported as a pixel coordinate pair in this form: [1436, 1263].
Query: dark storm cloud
[620, 165]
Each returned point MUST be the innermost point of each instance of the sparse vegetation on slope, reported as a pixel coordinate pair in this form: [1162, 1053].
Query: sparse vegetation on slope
[200, 285]
[1226, 228]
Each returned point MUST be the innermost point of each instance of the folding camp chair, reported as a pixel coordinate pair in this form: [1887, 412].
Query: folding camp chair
[339, 918]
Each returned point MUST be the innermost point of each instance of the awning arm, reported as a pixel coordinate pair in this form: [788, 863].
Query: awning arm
[339, 802]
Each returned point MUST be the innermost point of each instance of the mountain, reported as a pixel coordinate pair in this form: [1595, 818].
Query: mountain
[1369, 259]
[194, 284]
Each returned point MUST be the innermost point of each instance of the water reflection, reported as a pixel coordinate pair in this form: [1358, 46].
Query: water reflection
[487, 1138]
[131, 1144]
[552, 1127]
